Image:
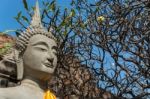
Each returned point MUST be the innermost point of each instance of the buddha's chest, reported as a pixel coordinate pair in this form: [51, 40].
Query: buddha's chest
[30, 93]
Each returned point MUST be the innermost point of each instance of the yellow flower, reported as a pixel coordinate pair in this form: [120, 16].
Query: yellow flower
[100, 19]
[49, 95]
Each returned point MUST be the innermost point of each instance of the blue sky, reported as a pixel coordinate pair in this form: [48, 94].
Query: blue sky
[10, 8]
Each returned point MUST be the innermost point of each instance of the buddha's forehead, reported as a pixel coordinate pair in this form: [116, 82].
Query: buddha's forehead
[41, 38]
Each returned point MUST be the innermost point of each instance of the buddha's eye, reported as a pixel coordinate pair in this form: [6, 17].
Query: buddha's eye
[41, 46]
[42, 49]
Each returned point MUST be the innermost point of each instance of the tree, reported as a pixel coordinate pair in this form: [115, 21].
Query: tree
[103, 47]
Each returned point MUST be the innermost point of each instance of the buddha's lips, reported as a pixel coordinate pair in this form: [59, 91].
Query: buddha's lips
[48, 65]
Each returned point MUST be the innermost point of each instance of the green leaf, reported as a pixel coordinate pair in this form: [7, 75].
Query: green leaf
[25, 4]
[6, 47]
[82, 25]
[65, 33]
[25, 19]
[72, 13]
[63, 23]
[52, 5]
[18, 16]
[72, 2]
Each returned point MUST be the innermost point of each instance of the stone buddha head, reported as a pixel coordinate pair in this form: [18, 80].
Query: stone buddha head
[35, 50]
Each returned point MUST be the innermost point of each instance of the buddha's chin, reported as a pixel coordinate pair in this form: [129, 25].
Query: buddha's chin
[46, 77]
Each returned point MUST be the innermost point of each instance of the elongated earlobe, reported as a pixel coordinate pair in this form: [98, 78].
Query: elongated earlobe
[20, 68]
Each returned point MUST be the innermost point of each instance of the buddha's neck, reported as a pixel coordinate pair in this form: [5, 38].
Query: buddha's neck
[34, 82]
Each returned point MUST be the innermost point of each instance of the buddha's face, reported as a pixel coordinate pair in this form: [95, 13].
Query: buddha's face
[40, 58]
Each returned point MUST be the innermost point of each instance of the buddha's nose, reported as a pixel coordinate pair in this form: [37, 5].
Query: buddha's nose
[50, 59]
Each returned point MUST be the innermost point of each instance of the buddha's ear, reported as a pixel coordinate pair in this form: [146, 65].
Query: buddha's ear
[19, 63]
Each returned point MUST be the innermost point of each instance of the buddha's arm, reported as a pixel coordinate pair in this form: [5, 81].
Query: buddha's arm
[3, 93]
[2, 97]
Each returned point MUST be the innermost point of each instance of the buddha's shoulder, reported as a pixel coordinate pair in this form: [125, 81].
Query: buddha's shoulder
[19, 92]
[10, 93]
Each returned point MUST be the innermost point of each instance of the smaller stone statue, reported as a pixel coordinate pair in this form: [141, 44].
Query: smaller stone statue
[36, 60]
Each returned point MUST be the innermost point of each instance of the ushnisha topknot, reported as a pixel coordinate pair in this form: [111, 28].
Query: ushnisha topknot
[35, 28]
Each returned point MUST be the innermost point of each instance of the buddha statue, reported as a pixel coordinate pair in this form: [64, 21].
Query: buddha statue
[36, 60]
